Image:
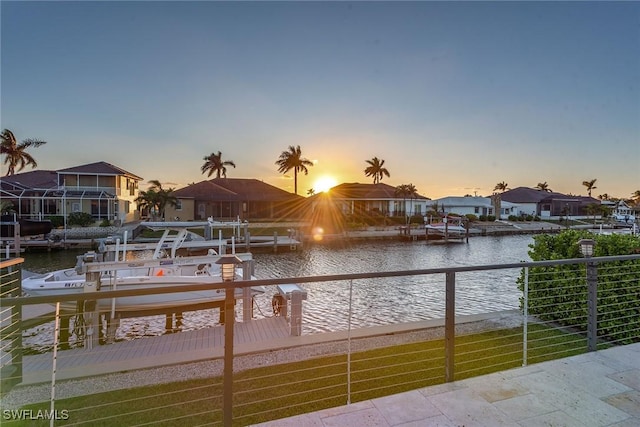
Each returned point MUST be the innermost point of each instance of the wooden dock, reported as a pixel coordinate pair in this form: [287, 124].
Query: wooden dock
[169, 349]
[274, 243]
[256, 336]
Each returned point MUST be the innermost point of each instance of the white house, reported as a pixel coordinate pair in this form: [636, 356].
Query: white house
[478, 206]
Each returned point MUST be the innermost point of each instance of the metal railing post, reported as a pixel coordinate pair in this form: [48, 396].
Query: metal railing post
[247, 298]
[349, 342]
[592, 306]
[450, 326]
[525, 320]
[227, 395]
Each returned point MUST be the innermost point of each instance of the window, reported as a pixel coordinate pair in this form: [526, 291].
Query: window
[50, 207]
[178, 205]
[75, 207]
[99, 209]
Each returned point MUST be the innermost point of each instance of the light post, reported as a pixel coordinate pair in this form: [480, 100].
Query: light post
[228, 273]
[228, 267]
[586, 248]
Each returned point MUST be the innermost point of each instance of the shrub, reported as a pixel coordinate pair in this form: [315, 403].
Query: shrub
[559, 293]
[82, 219]
[105, 223]
[56, 221]
[471, 217]
[416, 219]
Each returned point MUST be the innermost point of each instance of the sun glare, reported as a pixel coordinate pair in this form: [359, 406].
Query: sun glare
[324, 183]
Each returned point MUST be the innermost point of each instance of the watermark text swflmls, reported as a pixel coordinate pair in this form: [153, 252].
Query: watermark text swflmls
[31, 414]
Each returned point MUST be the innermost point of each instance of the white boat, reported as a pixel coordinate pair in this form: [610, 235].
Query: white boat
[623, 215]
[154, 271]
[448, 227]
[624, 219]
[139, 275]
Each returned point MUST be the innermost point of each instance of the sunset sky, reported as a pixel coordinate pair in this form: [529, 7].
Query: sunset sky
[454, 96]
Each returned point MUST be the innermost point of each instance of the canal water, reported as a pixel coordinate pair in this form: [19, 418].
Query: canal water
[373, 301]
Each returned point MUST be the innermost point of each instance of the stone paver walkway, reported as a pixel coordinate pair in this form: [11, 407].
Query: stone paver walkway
[591, 390]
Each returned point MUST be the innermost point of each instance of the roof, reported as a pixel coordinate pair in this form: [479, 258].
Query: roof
[38, 179]
[205, 190]
[528, 195]
[532, 195]
[367, 191]
[235, 189]
[98, 168]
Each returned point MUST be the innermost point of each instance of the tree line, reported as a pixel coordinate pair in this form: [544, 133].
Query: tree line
[17, 157]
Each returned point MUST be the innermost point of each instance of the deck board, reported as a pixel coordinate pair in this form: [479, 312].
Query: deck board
[178, 347]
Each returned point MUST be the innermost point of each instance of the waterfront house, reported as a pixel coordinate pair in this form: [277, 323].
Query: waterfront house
[103, 190]
[374, 200]
[232, 198]
[370, 204]
[549, 204]
[478, 206]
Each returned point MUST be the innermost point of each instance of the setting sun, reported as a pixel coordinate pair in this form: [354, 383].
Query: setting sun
[324, 183]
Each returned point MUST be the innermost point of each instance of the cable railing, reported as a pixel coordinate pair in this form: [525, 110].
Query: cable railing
[252, 370]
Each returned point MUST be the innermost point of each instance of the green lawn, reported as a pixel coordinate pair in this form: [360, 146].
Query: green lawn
[278, 391]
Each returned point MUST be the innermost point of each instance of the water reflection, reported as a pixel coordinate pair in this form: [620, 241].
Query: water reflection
[375, 301]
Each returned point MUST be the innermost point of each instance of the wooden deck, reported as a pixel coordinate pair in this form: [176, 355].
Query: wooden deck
[169, 349]
[258, 335]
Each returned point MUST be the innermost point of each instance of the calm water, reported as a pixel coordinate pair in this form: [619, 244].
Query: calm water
[375, 301]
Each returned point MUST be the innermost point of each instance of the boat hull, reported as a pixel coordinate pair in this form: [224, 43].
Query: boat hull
[28, 227]
[74, 284]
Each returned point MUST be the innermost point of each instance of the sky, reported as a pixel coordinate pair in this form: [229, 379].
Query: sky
[455, 97]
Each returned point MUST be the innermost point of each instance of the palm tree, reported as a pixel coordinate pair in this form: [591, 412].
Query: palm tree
[635, 196]
[214, 163]
[502, 186]
[591, 185]
[6, 207]
[311, 192]
[156, 199]
[292, 159]
[15, 153]
[376, 169]
[407, 190]
[543, 186]
[147, 200]
[402, 191]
